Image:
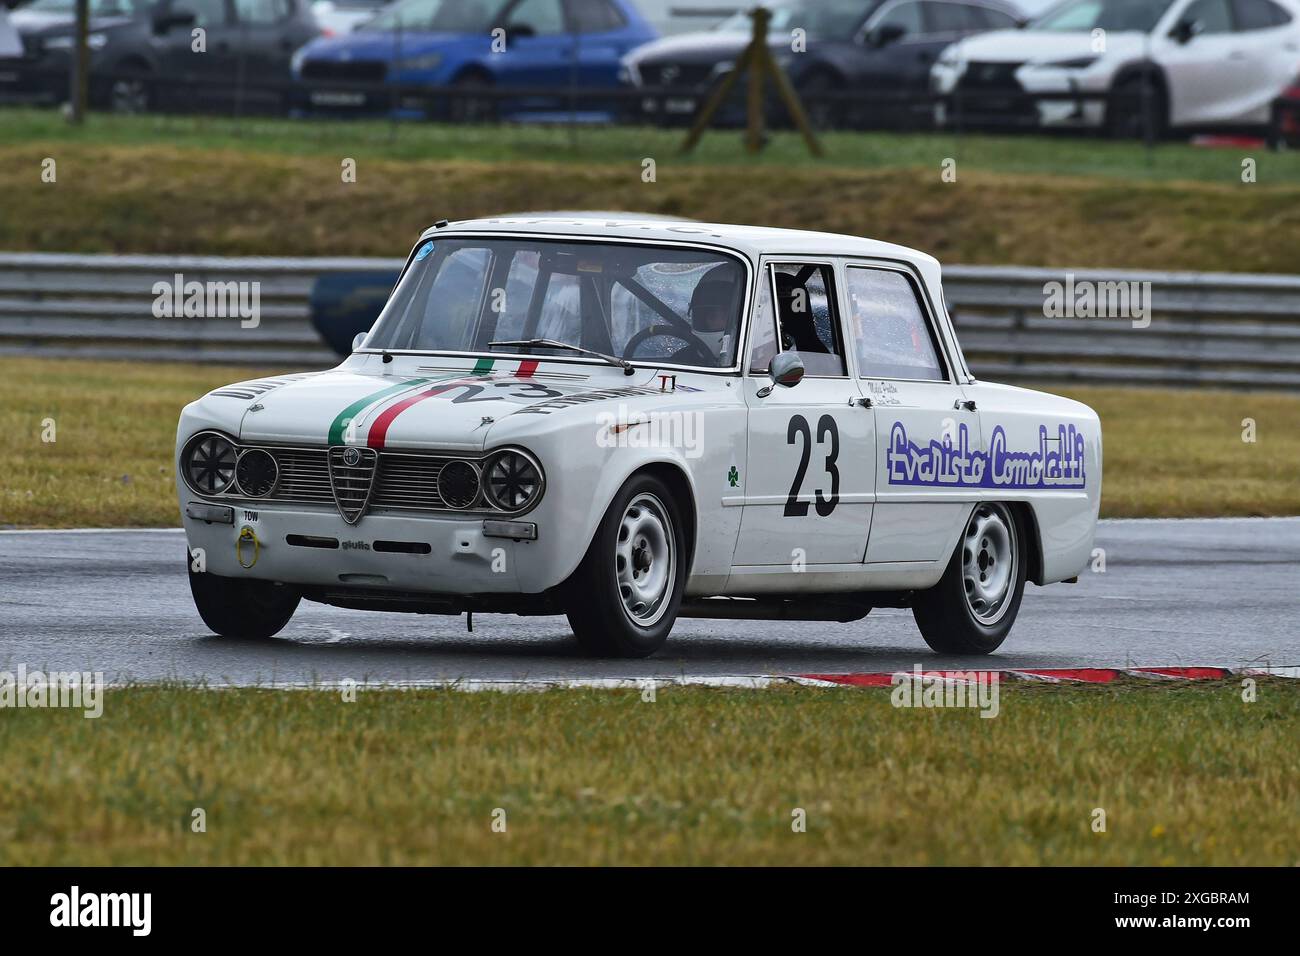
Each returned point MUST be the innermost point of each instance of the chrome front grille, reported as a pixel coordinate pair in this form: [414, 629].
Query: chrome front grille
[304, 476]
[352, 479]
[409, 481]
[394, 481]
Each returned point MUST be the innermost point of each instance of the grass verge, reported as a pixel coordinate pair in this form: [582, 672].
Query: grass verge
[193, 186]
[1186, 775]
[1168, 453]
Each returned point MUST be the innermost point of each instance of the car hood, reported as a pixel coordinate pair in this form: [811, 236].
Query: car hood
[35, 23]
[380, 45]
[1037, 46]
[704, 47]
[439, 405]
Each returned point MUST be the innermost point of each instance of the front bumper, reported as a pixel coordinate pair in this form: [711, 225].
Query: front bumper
[37, 80]
[317, 549]
[1005, 96]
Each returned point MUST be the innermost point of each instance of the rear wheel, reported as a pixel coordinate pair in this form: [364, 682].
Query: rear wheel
[237, 608]
[822, 113]
[623, 599]
[1138, 110]
[131, 90]
[470, 103]
[972, 608]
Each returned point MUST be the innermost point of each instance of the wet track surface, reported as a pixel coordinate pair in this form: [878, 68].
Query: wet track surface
[1214, 592]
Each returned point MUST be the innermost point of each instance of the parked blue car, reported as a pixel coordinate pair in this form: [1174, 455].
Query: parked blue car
[473, 45]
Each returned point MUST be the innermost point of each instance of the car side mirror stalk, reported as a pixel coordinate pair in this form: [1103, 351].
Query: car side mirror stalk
[358, 339]
[786, 370]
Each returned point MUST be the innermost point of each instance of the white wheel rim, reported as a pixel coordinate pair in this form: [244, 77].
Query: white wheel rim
[645, 560]
[990, 563]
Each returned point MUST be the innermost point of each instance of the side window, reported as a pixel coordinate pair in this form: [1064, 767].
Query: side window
[261, 13]
[542, 17]
[594, 16]
[806, 317]
[207, 13]
[951, 18]
[889, 325]
[994, 19]
[1213, 16]
[906, 16]
[762, 331]
[1258, 14]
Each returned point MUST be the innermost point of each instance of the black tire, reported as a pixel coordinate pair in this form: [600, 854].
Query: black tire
[952, 619]
[1139, 110]
[131, 91]
[822, 114]
[602, 620]
[236, 608]
[464, 106]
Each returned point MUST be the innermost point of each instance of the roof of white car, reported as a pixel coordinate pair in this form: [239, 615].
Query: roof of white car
[753, 241]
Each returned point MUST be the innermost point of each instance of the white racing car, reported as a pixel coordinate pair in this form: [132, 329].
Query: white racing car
[631, 421]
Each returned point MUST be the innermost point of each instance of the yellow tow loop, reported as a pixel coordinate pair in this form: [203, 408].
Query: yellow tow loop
[247, 534]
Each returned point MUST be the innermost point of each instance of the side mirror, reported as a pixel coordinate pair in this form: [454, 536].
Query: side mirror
[786, 370]
[358, 339]
[1185, 30]
[515, 31]
[886, 34]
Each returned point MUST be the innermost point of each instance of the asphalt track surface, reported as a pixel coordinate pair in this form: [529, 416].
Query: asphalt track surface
[1220, 592]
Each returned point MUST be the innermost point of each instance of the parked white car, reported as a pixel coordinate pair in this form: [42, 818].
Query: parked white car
[1193, 64]
[631, 421]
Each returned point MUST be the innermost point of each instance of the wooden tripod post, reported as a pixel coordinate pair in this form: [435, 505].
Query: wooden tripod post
[757, 61]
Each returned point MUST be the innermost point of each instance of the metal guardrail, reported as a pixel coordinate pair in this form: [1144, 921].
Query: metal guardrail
[1205, 329]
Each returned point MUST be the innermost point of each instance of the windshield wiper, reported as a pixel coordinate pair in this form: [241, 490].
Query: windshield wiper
[624, 364]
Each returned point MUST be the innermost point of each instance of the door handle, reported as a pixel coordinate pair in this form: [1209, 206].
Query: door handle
[967, 404]
[860, 402]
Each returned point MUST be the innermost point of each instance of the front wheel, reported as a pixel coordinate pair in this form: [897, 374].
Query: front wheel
[623, 598]
[233, 607]
[972, 608]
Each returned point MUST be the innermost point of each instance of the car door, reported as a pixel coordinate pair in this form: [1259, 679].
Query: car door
[810, 466]
[925, 435]
[1267, 39]
[195, 77]
[268, 35]
[1209, 72]
[600, 40]
[539, 52]
[896, 48]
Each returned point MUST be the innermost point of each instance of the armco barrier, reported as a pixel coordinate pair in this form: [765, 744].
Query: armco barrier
[1204, 329]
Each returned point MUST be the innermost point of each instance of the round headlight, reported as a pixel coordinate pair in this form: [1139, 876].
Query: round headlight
[512, 481]
[208, 463]
[256, 473]
[458, 484]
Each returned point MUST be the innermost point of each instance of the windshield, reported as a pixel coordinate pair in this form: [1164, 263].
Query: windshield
[643, 303]
[438, 16]
[98, 8]
[1117, 15]
[829, 18]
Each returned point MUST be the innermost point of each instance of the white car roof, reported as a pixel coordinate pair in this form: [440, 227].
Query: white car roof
[752, 241]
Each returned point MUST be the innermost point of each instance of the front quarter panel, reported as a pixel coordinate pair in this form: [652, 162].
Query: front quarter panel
[588, 456]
